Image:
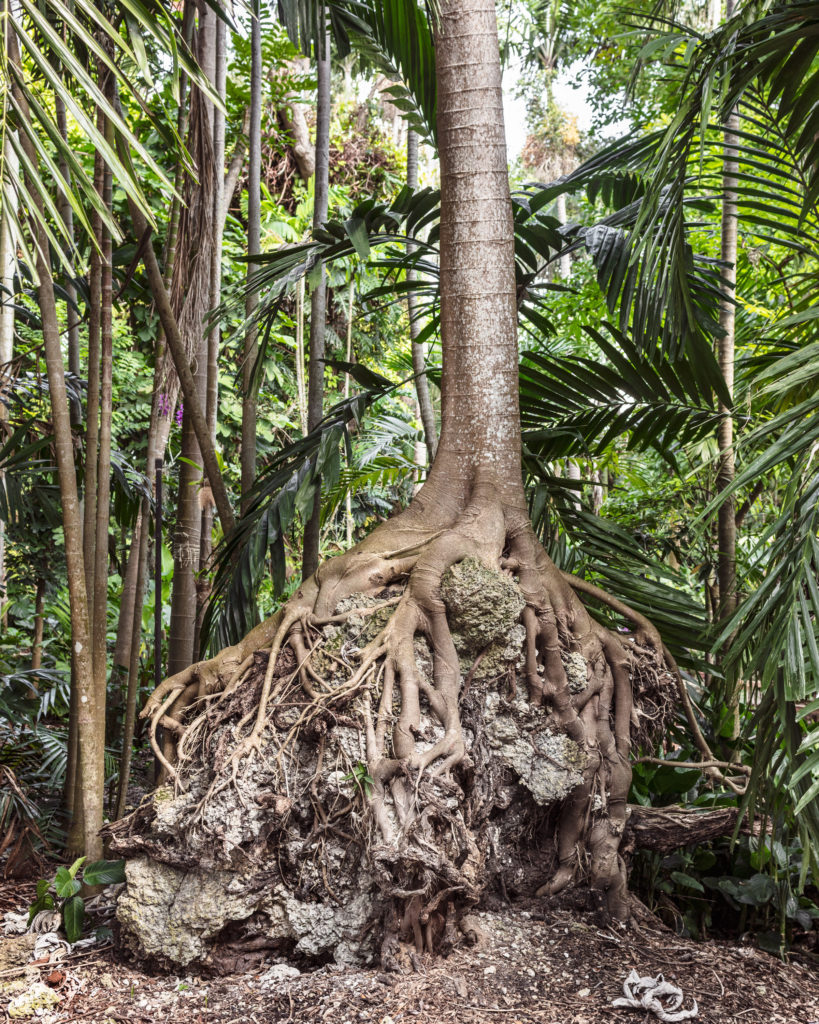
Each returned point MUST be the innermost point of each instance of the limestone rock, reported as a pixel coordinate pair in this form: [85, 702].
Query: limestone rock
[37, 997]
[548, 764]
[482, 604]
[173, 915]
[16, 950]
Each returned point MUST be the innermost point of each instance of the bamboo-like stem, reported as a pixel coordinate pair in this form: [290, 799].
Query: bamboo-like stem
[348, 500]
[422, 393]
[91, 751]
[318, 296]
[133, 666]
[254, 226]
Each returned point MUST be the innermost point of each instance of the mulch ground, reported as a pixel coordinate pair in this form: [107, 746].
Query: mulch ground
[529, 969]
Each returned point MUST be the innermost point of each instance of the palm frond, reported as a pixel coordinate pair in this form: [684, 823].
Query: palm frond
[284, 490]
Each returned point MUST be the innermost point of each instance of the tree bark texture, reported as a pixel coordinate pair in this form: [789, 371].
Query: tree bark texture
[191, 297]
[726, 522]
[133, 661]
[318, 296]
[72, 316]
[7, 267]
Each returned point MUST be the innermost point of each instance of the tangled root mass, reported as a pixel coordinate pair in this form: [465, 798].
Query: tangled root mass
[432, 715]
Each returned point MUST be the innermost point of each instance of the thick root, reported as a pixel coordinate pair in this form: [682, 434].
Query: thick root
[427, 830]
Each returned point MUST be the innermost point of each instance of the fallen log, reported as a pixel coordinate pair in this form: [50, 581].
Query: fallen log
[664, 829]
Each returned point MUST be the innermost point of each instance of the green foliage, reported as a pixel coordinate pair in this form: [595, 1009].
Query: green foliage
[61, 892]
[754, 887]
[363, 780]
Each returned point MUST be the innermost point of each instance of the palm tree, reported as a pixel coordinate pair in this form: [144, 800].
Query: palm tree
[45, 177]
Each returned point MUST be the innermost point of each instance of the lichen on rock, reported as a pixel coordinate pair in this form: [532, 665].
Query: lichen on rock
[37, 997]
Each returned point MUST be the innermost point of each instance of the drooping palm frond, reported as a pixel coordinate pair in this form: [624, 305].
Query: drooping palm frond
[540, 240]
[775, 648]
[69, 52]
[284, 490]
[765, 67]
[395, 36]
[605, 552]
[575, 406]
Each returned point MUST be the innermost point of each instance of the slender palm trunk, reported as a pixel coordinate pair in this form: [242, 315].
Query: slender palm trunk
[39, 615]
[92, 412]
[72, 316]
[6, 349]
[726, 517]
[91, 749]
[348, 501]
[191, 292]
[565, 263]
[214, 334]
[726, 523]
[301, 382]
[103, 503]
[419, 348]
[249, 394]
[318, 298]
[133, 665]
[74, 776]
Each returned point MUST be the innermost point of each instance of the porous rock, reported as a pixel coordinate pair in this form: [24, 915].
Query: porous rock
[173, 914]
[482, 604]
[37, 997]
[548, 764]
[16, 950]
[243, 862]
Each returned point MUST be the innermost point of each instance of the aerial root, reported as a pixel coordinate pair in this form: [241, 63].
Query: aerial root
[418, 828]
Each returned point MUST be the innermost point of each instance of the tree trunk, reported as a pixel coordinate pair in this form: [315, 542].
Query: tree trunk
[7, 265]
[565, 263]
[133, 662]
[419, 348]
[91, 745]
[99, 625]
[37, 639]
[726, 517]
[293, 118]
[254, 231]
[92, 412]
[348, 500]
[318, 297]
[72, 316]
[214, 333]
[192, 299]
[301, 383]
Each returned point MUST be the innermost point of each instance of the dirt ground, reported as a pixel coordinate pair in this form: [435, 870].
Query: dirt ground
[532, 967]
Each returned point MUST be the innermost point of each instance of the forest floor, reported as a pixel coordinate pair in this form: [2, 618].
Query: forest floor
[531, 967]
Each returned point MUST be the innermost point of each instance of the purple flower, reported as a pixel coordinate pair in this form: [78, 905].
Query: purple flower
[164, 404]
[179, 412]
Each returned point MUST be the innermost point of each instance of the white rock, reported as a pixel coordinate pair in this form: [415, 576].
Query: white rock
[277, 974]
[15, 924]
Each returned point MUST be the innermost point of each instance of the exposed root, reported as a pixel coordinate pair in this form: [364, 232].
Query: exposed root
[428, 802]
